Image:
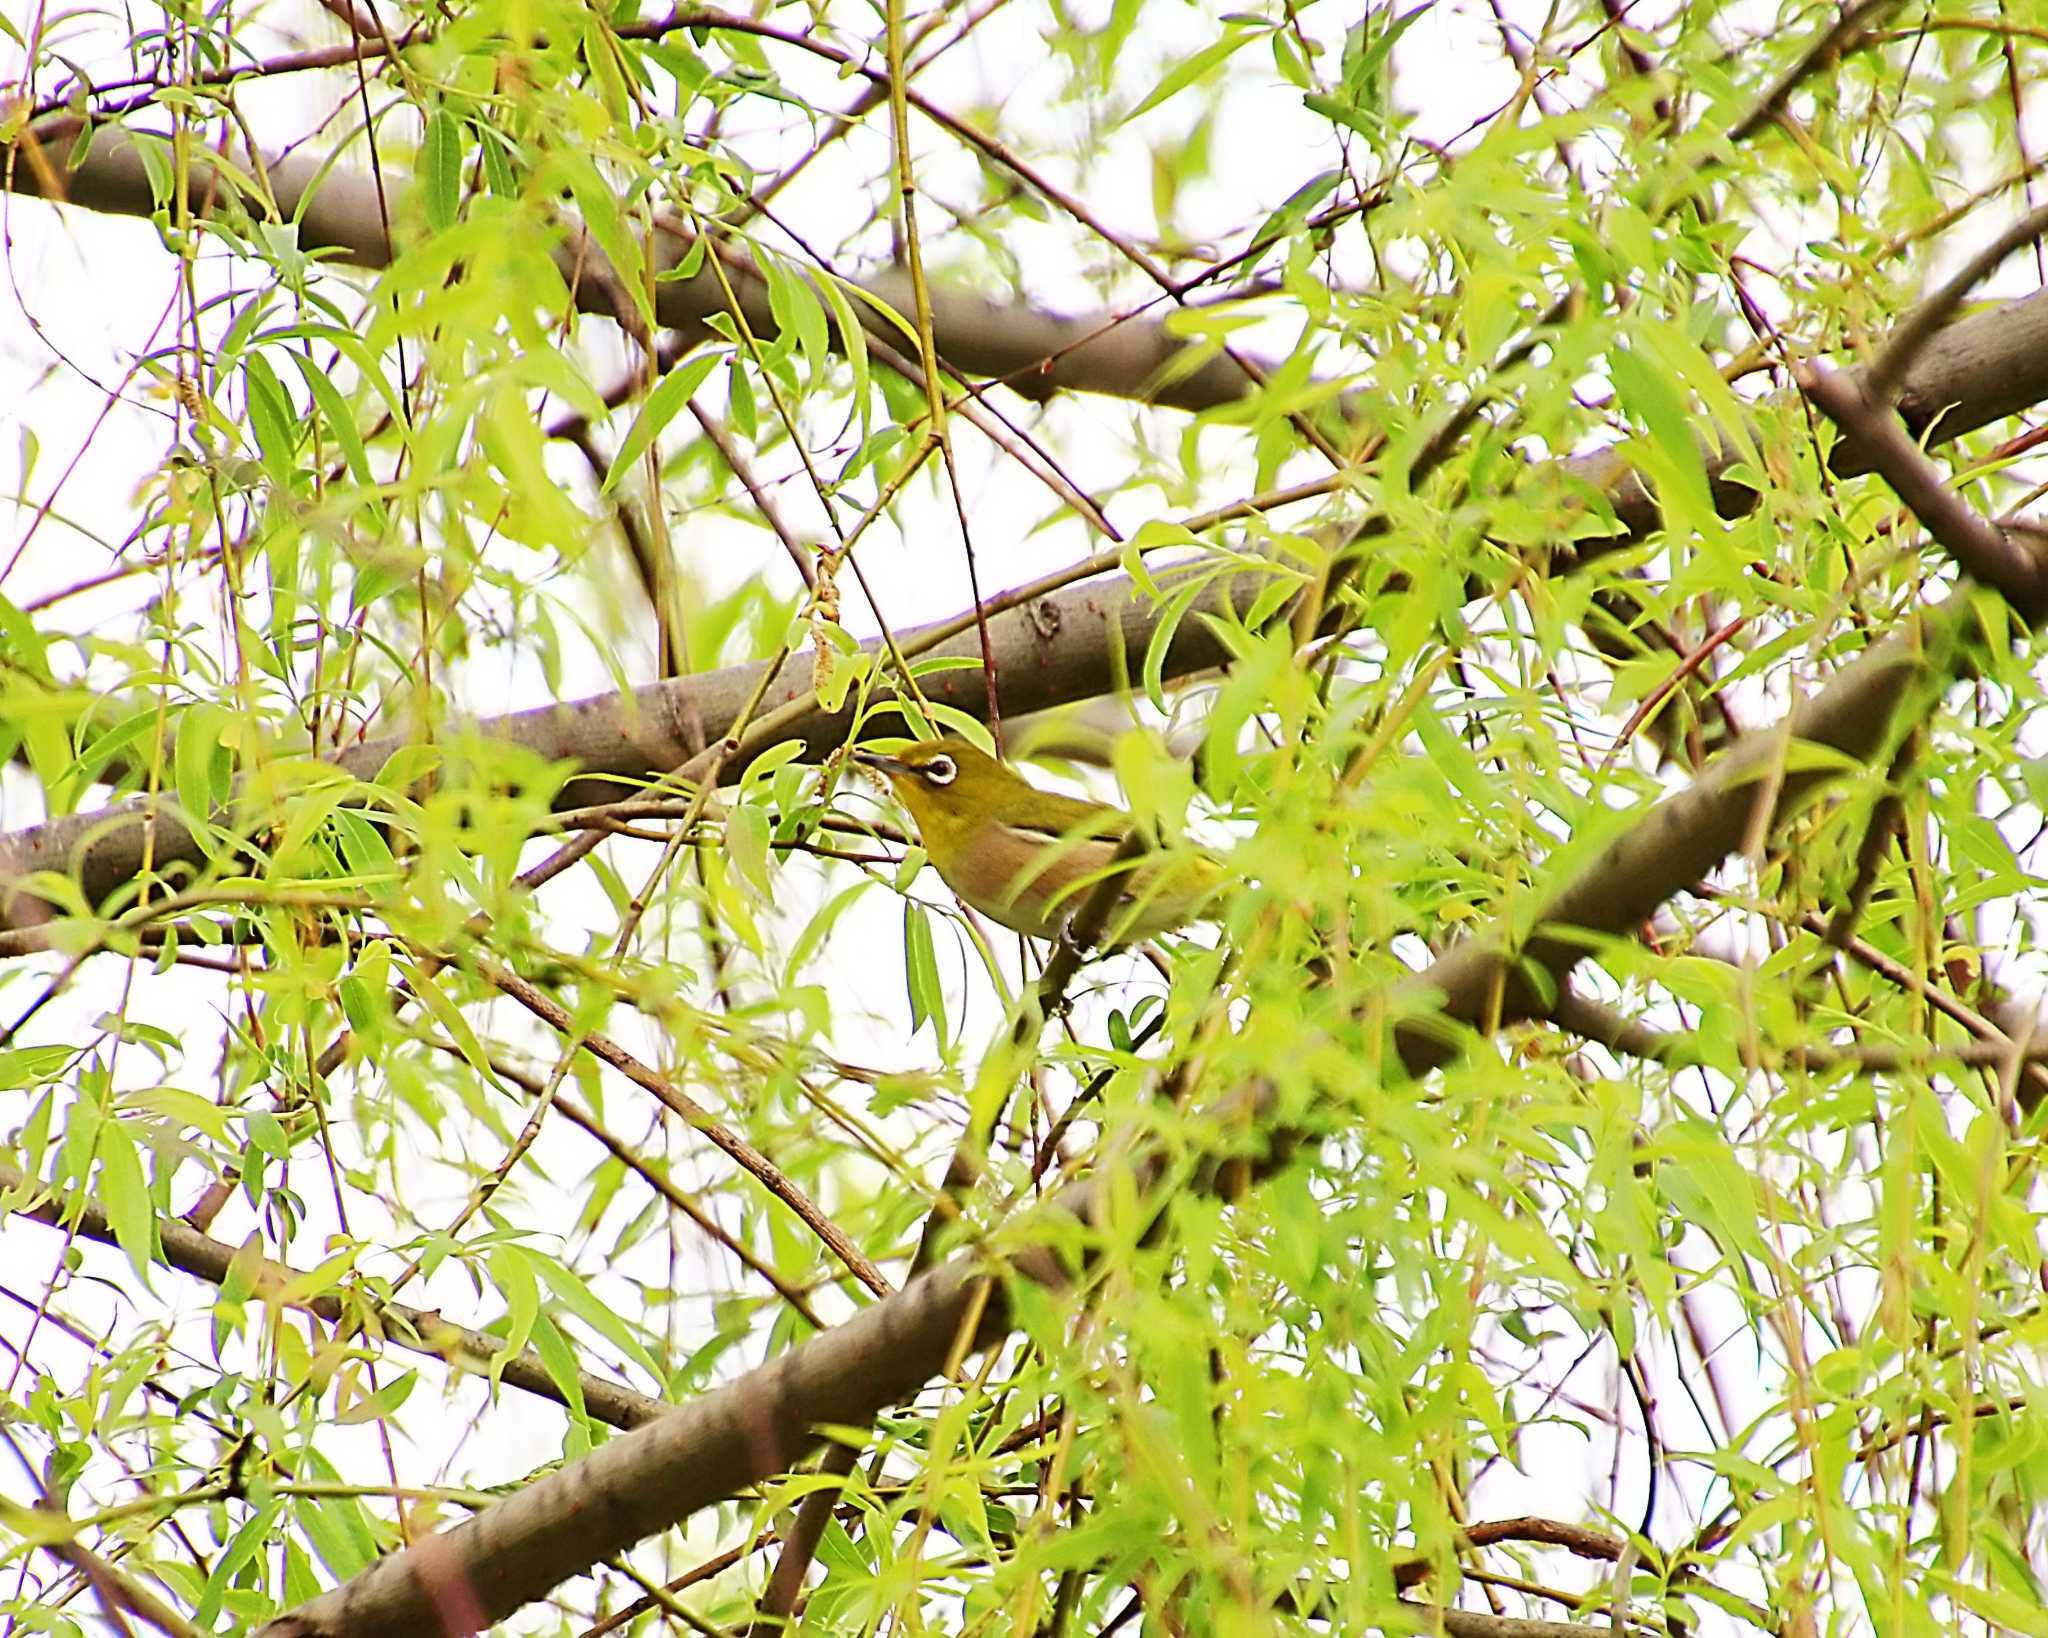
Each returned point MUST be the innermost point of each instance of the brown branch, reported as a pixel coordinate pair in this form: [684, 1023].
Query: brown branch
[1040, 353]
[1478, 1624]
[1052, 648]
[1889, 368]
[51, 114]
[2007, 1030]
[118, 1590]
[1887, 814]
[1071, 205]
[1491, 980]
[2003, 558]
[1578, 1539]
[1589, 1019]
[1847, 34]
[703, 1453]
[1975, 371]
[1593, 1021]
[1978, 371]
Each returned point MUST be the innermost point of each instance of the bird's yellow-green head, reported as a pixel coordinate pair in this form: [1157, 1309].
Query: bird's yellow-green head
[1026, 857]
[952, 787]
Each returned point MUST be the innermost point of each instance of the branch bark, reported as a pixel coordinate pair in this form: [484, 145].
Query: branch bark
[2007, 558]
[701, 1454]
[1035, 353]
[1070, 645]
[1520, 973]
[1973, 372]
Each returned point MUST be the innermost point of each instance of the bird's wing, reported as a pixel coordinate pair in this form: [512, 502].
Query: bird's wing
[1041, 884]
[1051, 815]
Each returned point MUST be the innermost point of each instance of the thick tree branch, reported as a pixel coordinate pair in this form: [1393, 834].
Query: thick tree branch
[1677, 1048]
[1479, 1624]
[1491, 980]
[2008, 559]
[1054, 649]
[1035, 353]
[705, 1452]
[1050, 650]
[1973, 372]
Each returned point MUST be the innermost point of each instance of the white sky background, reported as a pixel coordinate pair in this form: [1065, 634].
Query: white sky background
[88, 294]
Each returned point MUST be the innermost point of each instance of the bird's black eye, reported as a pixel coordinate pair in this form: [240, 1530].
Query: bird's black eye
[940, 770]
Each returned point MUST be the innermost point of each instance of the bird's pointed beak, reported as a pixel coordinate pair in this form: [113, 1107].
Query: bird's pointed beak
[881, 763]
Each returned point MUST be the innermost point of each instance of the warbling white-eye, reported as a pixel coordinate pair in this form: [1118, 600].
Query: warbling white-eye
[1029, 858]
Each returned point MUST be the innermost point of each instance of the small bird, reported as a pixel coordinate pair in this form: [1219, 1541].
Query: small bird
[1030, 858]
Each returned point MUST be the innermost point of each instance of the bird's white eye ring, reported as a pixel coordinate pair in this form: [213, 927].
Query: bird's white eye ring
[941, 770]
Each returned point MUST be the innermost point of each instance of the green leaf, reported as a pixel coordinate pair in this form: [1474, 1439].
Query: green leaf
[182, 1109]
[363, 847]
[367, 363]
[1705, 1178]
[601, 216]
[797, 310]
[1685, 362]
[336, 1527]
[251, 1538]
[1352, 119]
[580, 1300]
[835, 671]
[499, 175]
[746, 839]
[375, 1407]
[559, 1359]
[124, 1195]
[512, 1271]
[1184, 74]
[1362, 77]
[335, 412]
[266, 1133]
[740, 400]
[1673, 457]
[104, 749]
[440, 178]
[819, 928]
[203, 761]
[154, 153]
[853, 341]
[22, 1067]
[921, 972]
[22, 645]
[670, 394]
[270, 417]
[450, 1018]
[1297, 207]
[601, 56]
[1170, 617]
